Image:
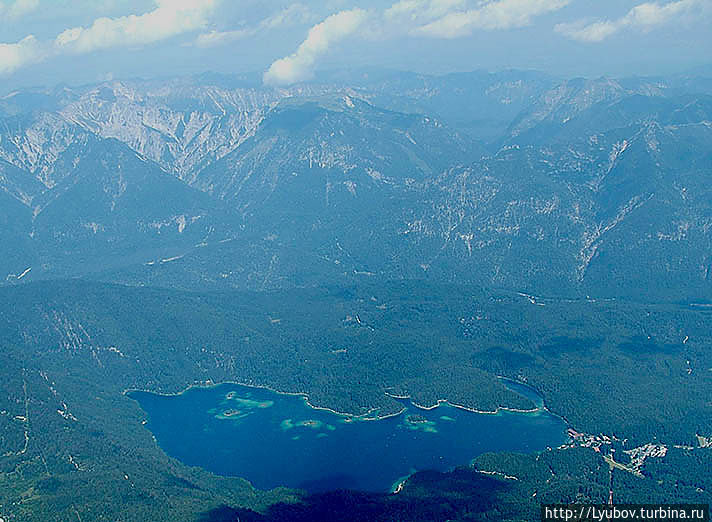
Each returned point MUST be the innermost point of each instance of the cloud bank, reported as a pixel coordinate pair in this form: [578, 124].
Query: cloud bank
[419, 11]
[15, 55]
[293, 14]
[437, 19]
[432, 18]
[644, 17]
[299, 66]
[169, 18]
[502, 14]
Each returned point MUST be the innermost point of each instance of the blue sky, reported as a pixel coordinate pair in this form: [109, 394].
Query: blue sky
[45, 42]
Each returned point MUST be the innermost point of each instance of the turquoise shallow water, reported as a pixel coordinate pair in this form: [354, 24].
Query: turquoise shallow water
[279, 440]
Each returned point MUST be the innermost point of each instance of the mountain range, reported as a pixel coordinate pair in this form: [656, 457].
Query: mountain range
[371, 236]
[511, 180]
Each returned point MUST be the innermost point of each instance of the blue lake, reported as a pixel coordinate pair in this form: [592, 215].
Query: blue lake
[275, 440]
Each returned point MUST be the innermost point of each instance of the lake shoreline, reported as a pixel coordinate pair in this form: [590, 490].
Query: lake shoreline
[429, 442]
[364, 416]
[304, 395]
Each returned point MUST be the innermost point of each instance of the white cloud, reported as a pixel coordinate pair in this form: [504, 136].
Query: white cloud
[170, 18]
[500, 14]
[299, 66]
[15, 55]
[644, 16]
[433, 18]
[294, 14]
[422, 10]
[216, 38]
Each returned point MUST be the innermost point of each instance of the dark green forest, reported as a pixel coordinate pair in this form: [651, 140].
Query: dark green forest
[71, 438]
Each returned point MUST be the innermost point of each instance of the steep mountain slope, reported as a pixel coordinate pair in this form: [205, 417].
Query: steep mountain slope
[179, 128]
[110, 207]
[597, 104]
[599, 186]
[116, 202]
[43, 144]
[654, 213]
[319, 174]
[15, 226]
[480, 104]
[354, 143]
[19, 184]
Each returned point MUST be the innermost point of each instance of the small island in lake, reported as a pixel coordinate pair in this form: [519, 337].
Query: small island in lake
[266, 429]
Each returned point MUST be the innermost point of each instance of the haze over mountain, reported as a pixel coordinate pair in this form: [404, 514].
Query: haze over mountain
[502, 205]
[513, 180]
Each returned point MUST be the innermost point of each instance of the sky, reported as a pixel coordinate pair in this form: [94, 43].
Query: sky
[50, 42]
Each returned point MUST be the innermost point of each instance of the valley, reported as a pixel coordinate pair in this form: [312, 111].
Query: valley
[358, 241]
